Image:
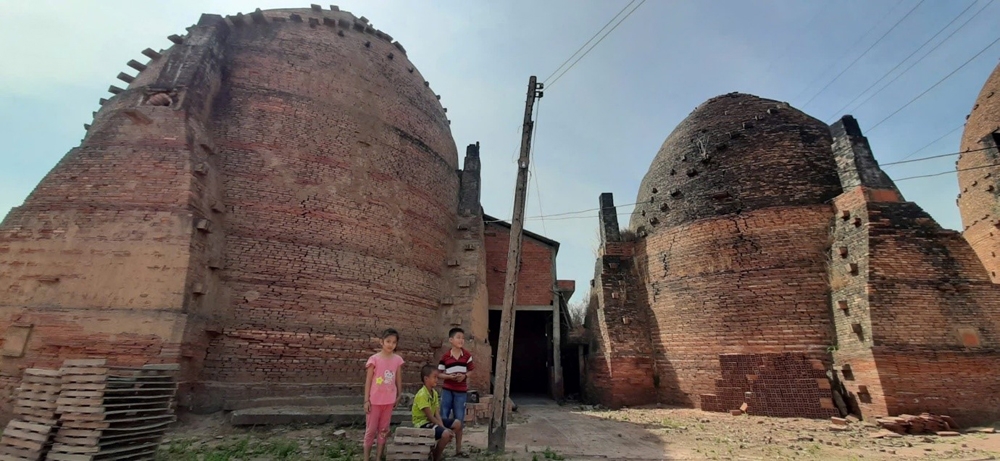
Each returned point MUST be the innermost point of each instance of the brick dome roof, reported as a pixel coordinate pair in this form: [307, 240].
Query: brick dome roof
[734, 153]
[985, 115]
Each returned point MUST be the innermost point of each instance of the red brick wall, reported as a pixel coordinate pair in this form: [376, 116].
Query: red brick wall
[339, 180]
[928, 312]
[750, 284]
[979, 197]
[620, 366]
[536, 280]
[102, 254]
[961, 384]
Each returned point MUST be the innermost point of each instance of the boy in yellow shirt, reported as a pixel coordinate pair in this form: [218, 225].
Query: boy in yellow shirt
[427, 414]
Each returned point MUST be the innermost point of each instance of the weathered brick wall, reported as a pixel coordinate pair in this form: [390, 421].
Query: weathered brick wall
[98, 261]
[466, 298]
[535, 282]
[914, 307]
[964, 384]
[979, 178]
[620, 363]
[341, 196]
[752, 283]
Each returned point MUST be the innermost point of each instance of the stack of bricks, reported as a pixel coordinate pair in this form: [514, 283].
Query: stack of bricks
[27, 436]
[411, 443]
[112, 413]
[475, 412]
[772, 385]
[925, 423]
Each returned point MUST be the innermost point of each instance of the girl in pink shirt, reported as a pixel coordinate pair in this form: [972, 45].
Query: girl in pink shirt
[383, 386]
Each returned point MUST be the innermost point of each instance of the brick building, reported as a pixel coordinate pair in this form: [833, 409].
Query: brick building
[978, 170]
[541, 320]
[260, 201]
[770, 261]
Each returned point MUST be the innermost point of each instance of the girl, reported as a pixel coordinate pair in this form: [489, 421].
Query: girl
[383, 387]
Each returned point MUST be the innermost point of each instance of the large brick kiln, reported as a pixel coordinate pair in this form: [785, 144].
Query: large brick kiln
[770, 261]
[262, 199]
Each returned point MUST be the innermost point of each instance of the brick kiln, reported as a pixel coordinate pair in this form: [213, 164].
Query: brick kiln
[263, 198]
[979, 199]
[768, 261]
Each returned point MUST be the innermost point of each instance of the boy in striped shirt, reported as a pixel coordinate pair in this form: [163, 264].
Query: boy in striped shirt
[455, 366]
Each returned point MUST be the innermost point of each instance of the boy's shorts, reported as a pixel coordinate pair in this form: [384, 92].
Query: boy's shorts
[438, 430]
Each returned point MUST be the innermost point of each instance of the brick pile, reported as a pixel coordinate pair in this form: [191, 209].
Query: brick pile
[771, 385]
[925, 423]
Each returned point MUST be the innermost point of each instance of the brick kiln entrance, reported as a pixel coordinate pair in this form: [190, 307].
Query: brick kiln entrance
[531, 358]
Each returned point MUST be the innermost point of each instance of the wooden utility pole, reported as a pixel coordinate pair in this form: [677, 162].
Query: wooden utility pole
[501, 385]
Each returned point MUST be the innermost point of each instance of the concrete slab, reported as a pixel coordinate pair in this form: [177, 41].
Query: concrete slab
[331, 414]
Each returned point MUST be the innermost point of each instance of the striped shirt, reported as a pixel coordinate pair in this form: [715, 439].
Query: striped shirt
[449, 365]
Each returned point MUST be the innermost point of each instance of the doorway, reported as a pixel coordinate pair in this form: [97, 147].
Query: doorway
[532, 351]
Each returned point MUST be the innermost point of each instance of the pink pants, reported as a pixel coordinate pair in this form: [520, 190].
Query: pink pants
[377, 423]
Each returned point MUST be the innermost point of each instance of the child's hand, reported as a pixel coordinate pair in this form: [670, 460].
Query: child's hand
[368, 407]
[459, 377]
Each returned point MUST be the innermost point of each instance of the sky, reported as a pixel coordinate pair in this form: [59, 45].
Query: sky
[600, 125]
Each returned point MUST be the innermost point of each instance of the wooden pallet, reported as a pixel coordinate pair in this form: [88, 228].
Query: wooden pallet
[411, 443]
[113, 413]
[28, 436]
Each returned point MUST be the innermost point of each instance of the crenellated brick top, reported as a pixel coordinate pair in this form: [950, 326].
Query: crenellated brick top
[330, 28]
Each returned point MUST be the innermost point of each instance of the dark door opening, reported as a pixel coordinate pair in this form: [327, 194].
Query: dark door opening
[571, 358]
[530, 361]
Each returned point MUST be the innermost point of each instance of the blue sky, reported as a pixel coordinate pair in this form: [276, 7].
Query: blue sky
[599, 126]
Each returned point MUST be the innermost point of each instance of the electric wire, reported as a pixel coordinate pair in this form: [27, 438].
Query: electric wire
[911, 154]
[946, 77]
[883, 77]
[865, 53]
[588, 41]
[834, 63]
[556, 79]
[929, 52]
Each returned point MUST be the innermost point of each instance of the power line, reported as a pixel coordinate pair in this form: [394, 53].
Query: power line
[911, 154]
[573, 214]
[538, 190]
[588, 41]
[948, 172]
[942, 42]
[788, 43]
[873, 45]
[585, 53]
[994, 42]
[932, 157]
[834, 63]
[939, 32]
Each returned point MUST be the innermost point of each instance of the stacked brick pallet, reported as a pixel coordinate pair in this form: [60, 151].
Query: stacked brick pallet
[475, 412]
[783, 385]
[111, 413]
[26, 437]
[411, 443]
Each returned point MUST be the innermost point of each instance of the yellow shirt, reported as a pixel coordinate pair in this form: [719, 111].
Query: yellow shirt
[425, 398]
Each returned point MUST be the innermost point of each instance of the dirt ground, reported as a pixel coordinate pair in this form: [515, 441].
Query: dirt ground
[543, 430]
